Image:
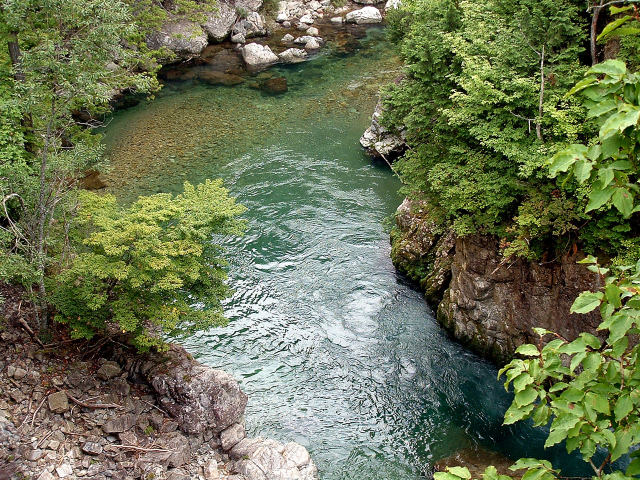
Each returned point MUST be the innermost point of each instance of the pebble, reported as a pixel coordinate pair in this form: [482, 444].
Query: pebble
[92, 448]
[64, 470]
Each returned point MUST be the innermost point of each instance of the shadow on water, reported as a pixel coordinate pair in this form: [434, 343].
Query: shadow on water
[335, 351]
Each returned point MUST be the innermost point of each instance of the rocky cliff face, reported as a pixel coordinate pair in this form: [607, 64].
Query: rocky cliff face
[482, 300]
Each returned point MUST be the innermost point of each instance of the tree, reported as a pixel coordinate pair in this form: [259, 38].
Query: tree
[150, 269]
[68, 56]
[589, 388]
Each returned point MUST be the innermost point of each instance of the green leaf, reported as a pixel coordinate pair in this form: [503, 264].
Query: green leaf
[606, 176]
[586, 302]
[555, 436]
[600, 108]
[521, 382]
[612, 293]
[598, 402]
[515, 414]
[445, 476]
[618, 122]
[526, 396]
[582, 170]
[598, 198]
[582, 84]
[623, 443]
[610, 67]
[607, 30]
[623, 200]
[527, 463]
[634, 468]
[528, 350]
[462, 472]
[623, 407]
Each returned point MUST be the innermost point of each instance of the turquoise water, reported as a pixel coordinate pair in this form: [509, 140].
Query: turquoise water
[335, 350]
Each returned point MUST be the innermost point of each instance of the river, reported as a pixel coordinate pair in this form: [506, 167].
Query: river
[335, 350]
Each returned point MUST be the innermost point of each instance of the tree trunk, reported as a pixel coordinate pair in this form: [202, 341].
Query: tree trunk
[594, 31]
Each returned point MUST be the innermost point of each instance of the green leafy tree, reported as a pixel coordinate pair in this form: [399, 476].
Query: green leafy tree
[483, 107]
[149, 269]
[66, 56]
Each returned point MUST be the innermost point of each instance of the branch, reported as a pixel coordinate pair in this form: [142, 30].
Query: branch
[540, 110]
[614, 2]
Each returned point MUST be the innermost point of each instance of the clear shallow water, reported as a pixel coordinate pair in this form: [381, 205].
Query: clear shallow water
[335, 351]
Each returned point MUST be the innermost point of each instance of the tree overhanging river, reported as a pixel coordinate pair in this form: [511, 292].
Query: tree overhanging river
[335, 351]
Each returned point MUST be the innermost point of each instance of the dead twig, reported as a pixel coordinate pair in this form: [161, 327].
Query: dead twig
[92, 405]
[33, 419]
[23, 323]
[140, 449]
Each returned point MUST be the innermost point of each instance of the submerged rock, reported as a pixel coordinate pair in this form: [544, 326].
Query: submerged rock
[213, 77]
[275, 85]
[365, 15]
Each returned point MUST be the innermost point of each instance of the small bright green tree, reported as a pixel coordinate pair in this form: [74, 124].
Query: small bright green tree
[148, 270]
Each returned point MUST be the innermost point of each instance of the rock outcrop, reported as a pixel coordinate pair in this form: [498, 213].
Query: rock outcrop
[199, 397]
[483, 300]
[184, 38]
[379, 141]
[218, 24]
[98, 411]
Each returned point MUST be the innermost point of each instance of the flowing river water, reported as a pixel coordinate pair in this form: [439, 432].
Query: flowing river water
[334, 349]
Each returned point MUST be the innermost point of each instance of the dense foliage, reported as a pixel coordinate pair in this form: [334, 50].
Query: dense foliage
[148, 270]
[483, 105]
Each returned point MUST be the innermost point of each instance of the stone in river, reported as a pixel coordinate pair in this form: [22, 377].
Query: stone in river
[275, 85]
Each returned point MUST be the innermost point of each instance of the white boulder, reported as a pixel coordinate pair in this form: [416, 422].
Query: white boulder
[364, 15]
[258, 56]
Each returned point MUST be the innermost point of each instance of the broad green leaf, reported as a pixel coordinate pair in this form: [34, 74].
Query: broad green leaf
[634, 468]
[610, 67]
[515, 413]
[623, 442]
[612, 293]
[555, 436]
[623, 200]
[523, 463]
[462, 472]
[521, 381]
[598, 198]
[599, 403]
[445, 476]
[528, 350]
[582, 84]
[582, 170]
[586, 302]
[610, 27]
[601, 108]
[526, 396]
[618, 122]
[606, 176]
[623, 407]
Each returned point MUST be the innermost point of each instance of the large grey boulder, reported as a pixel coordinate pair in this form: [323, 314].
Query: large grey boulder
[199, 397]
[184, 38]
[218, 24]
[258, 56]
[364, 16]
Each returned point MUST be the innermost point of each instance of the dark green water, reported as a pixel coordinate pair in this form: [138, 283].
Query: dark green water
[335, 350]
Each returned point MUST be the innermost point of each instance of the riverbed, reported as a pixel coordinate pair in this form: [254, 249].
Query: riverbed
[335, 350]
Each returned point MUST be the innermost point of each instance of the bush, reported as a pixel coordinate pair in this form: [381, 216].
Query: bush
[150, 269]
